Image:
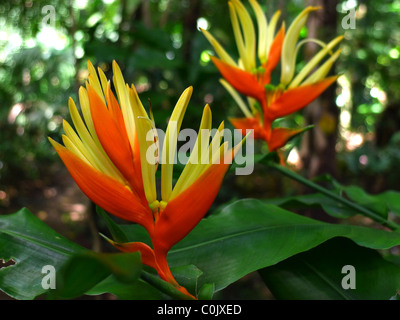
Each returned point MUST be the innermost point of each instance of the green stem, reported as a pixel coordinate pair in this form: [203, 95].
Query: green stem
[366, 212]
[163, 286]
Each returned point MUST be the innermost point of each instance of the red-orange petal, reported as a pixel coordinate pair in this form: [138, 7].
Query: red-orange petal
[146, 252]
[249, 123]
[114, 108]
[185, 211]
[105, 191]
[243, 81]
[115, 111]
[295, 99]
[275, 51]
[280, 136]
[149, 258]
[114, 142]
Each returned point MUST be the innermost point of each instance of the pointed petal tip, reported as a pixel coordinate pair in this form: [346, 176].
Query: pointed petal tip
[189, 90]
[339, 38]
[115, 66]
[312, 8]
[52, 141]
[65, 122]
[57, 146]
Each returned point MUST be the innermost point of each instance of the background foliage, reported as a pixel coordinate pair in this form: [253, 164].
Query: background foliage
[160, 49]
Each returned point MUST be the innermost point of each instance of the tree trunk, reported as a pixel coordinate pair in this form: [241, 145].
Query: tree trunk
[189, 28]
[318, 150]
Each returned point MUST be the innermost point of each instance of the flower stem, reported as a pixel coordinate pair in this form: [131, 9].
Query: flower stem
[164, 286]
[364, 211]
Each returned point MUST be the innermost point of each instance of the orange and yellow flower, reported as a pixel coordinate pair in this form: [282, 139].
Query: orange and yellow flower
[251, 77]
[107, 155]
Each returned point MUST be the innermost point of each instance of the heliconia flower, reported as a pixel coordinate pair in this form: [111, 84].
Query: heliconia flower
[113, 155]
[258, 57]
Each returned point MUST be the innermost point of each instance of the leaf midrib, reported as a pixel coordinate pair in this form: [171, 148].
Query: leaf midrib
[41, 243]
[237, 234]
[326, 280]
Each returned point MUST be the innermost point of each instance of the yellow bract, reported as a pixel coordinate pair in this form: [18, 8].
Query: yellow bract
[288, 58]
[243, 30]
[322, 70]
[170, 141]
[236, 96]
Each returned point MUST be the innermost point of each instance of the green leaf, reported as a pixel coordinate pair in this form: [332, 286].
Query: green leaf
[249, 235]
[139, 290]
[329, 205]
[358, 195]
[32, 245]
[187, 276]
[367, 205]
[206, 292]
[392, 200]
[164, 286]
[318, 274]
[83, 271]
[116, 232]
[382, 203]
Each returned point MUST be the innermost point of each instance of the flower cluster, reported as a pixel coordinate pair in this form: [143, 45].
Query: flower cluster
[251, 77]
[106, 156]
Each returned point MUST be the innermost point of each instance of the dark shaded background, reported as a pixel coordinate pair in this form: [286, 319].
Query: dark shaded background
[160, 49]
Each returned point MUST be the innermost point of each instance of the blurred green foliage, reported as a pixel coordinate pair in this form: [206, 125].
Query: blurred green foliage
[160, 49]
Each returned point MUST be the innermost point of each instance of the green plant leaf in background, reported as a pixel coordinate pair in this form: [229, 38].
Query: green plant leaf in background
[249, 235]
[381, 203]
[138, 290]
[243, 237]
[83, 271]
[330, 206]
[319, 273]
[32, 245]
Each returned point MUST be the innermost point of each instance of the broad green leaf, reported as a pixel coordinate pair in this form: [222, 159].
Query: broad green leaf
[393, 259]
[358, 195]
[187, 276]
[83, 271]
[391, 199]
[116, 232]
[249, 235]
[206, 292]
[321, 274]
[138, 290]
[330, 206]
[32, 245]
[164, 286]
[381, 203]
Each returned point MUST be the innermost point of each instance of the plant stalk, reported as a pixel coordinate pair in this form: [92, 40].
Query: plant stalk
[163, 286]
[366, 212]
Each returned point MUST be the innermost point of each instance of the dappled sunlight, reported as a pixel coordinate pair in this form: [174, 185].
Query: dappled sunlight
[313, 93]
